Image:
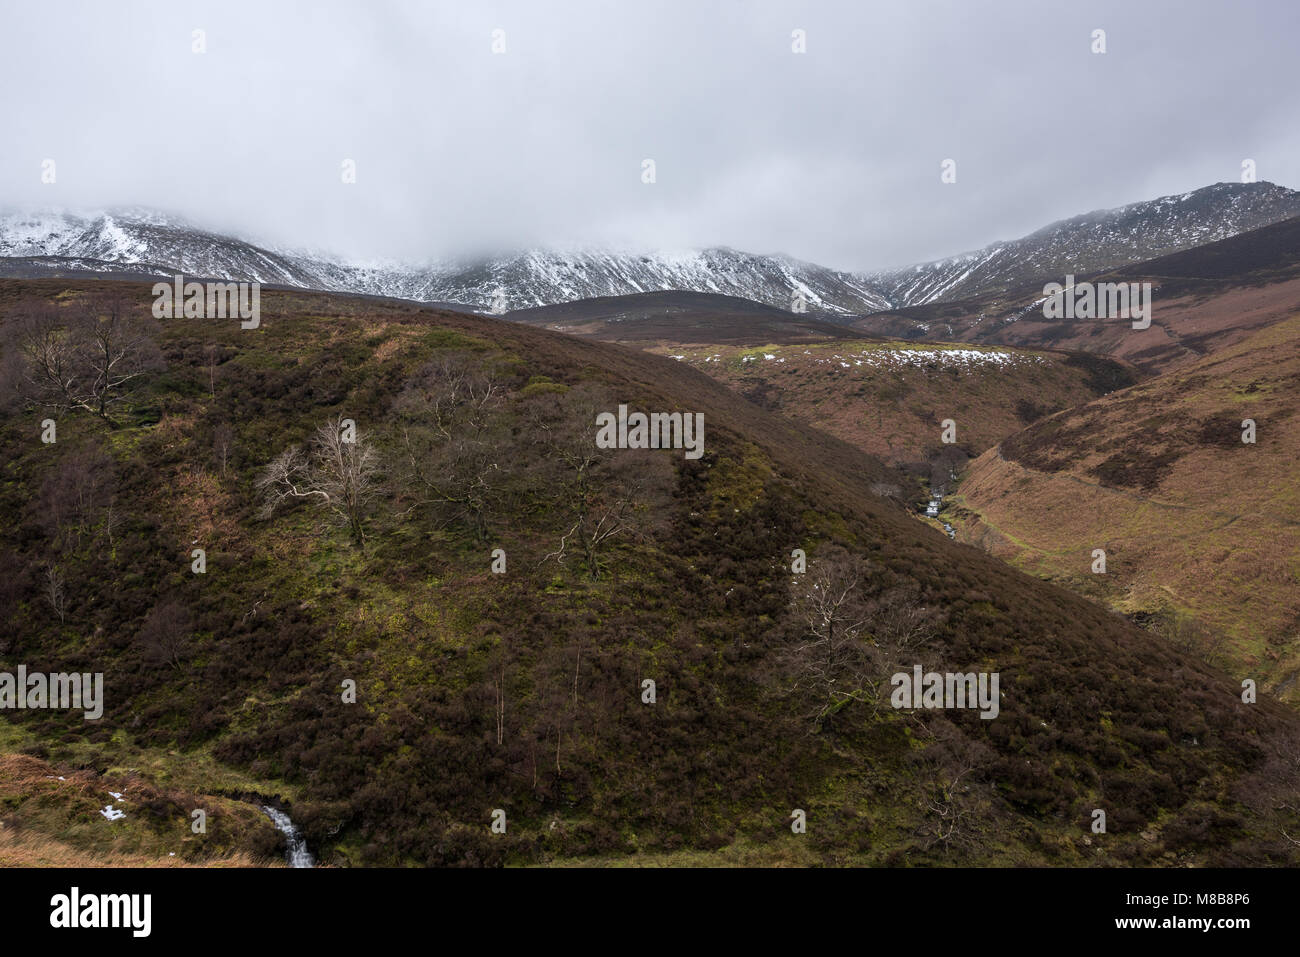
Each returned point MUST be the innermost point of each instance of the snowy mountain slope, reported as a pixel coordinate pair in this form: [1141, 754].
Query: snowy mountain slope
[141, 241]
[1104, 239]
[543, 277]
[128, 240]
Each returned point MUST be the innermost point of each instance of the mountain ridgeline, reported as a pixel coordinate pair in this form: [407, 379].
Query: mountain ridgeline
[1093, 242]
[138, 243]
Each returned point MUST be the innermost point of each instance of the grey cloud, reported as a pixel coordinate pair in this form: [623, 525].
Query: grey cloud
[831, 156]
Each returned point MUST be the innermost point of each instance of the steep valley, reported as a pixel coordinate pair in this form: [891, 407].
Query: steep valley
[476, 634]
[1199, 527]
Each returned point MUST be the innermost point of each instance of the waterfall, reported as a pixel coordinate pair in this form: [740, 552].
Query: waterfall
[298, 855]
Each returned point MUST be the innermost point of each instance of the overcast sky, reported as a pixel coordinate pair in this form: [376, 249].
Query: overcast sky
[832, 155]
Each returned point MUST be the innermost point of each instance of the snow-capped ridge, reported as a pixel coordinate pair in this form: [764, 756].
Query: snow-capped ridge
[1097, 240]
[150, 242]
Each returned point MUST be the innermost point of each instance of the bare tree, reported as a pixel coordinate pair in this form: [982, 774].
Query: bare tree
[54, 591]
[88, 358]
[498, 669]
[53, 364]
[463, 476]
[832, 661]
[945, 466]
[1190, 635]
[210, 364]
[454, 440]
[121, 350]
[956, 793]
[166, 633]
[949, 810]
[76, 498]
[13, 378]
[849, 643]
[456, 393]
[223, 437]
[113, 520]
[901, 626]
[337, 472]
[555, 706]
[605, 493]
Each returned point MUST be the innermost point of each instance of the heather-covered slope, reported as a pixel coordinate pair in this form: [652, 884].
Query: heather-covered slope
[889, 398]
[1201, 529]
[524, 691]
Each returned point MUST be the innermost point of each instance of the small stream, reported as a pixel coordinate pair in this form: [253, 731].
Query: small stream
[932, 510]
[297, 855]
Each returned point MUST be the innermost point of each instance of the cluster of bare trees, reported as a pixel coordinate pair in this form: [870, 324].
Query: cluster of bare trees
[452, 441]
[89, 356]
[946, 465]
[461, 444]
[76, 503]
[1190, 635]
[606, 495]
[850, 641]
[455, 440]
[958, 801]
